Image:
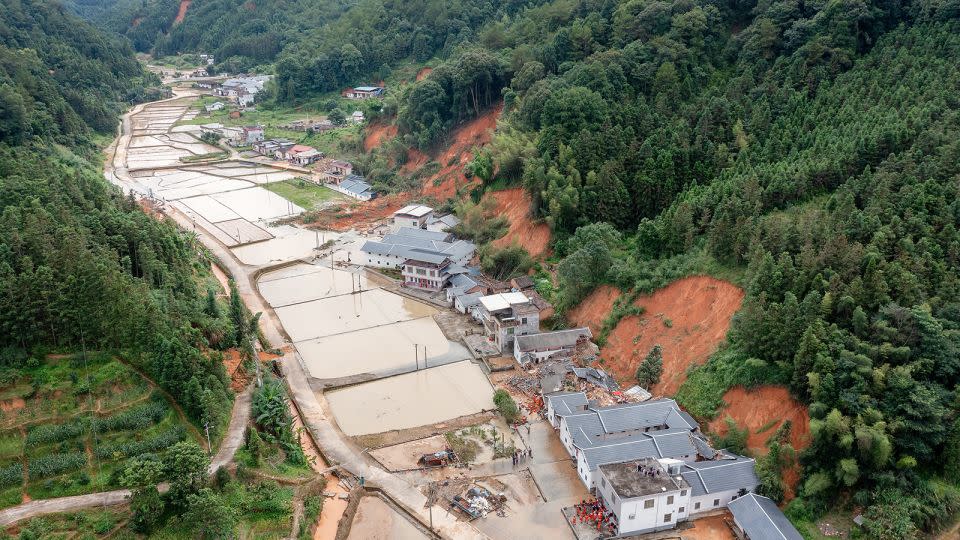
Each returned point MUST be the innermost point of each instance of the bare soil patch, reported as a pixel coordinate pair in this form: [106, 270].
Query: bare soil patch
[710, 528]
[515, 204]
[443, 184]
[688, 318]
[377, 134]
[592, 311]
[766, 408]
[182, 12]
[424, 71]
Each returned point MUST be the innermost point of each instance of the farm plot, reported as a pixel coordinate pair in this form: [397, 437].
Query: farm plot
[68, 426]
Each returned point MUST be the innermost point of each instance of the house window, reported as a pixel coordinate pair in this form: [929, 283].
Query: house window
[681, 510]
[683, 493]
[667, 518]
[523, 320]
[603, 481]
[648, 504]
[716, 502]
[669, 499]
[696, 506]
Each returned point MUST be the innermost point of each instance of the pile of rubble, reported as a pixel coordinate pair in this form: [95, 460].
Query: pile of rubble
[478, 502]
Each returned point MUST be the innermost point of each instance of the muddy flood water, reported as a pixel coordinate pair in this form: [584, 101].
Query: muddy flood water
[412, 399]
[376, 520]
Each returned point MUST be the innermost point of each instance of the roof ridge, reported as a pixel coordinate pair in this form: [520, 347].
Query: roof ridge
[770, 519]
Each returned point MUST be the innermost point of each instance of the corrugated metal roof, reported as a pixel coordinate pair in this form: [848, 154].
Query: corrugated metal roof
[761, 519]
[721, 475]
[415, 210]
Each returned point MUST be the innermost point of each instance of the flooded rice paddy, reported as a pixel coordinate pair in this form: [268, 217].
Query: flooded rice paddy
[413, 399]
[342, 323]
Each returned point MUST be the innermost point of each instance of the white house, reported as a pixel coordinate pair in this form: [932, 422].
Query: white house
[508, 315]
[357, 117]
[215, 106]
[414, 215]
[645, 495]
[565, 403]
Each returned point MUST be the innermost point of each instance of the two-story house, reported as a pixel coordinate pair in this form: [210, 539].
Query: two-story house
[506, 316]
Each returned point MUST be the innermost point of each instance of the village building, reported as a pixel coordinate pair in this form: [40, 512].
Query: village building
[536, 348]
[414, 215]
[199, 72]
[507, 315]
[306, 158]
[442, 223]
[231, 135]
[644, 495]
[363, 92]
[758, 518]
[338, 170]
[242, 90]
[426, 271]
[282, 149]
[252, 134]
[465, 303]
[354, 186]
[215, 106]
[566, 403]
[271, 147]
[357, 117]
[459, 285]
[397, 247]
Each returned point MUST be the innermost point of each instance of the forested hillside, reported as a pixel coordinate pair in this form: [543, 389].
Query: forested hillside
[80, 265]
[143, 22]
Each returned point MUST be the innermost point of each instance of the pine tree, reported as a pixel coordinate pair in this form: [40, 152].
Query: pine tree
[237, 315]
[648, 374]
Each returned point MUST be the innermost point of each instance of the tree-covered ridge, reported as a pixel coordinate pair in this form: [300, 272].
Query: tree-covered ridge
[60, 76]
[142, 22]
[80, 265]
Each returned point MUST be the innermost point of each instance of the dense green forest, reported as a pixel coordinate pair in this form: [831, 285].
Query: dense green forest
[142, 21]
[81, 265]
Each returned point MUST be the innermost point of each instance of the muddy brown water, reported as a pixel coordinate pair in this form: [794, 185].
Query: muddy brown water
[412, 399]
[379, 350]
[349, 312]
[375, 520]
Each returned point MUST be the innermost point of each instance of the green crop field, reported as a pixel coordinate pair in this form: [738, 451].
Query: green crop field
[305, 194]
[68, 425]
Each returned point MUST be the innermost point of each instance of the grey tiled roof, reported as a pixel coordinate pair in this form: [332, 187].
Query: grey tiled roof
[641, 415]
[552, 340]
[720, 475]
[469, 300]
[568, 402]
[761, 519]
[616, 453]
[663, 444]
[427, 256]
[462, 281]
[421, 234]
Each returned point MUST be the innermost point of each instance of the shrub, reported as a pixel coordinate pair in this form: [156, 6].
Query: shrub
[49, 433]
[135, 448]
[11, 475]
[54, 464]
[138, 417]
[506, 406]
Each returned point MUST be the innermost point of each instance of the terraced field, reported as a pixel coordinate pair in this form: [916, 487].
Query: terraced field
[68, 425]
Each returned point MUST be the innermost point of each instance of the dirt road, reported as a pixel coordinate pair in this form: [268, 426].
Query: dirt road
[333, 444]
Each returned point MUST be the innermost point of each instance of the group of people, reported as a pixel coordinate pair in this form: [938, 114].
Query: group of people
[594, 513]
[520, 456]
[649, 471]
